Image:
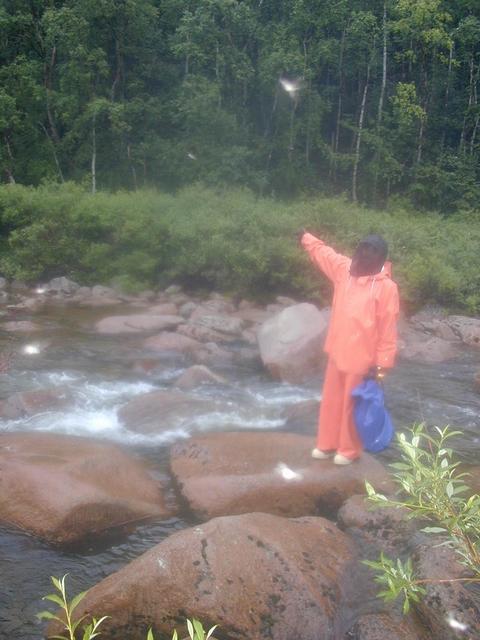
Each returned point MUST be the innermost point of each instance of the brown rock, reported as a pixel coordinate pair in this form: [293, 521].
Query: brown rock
[221, 324]
[388, 529]
[198, 375]
[164, 309]
[253, 316]
[385, 626]
[291, 343]
[302, 417]
[168, 341]
[23, 326]
[467, 329]
[415, 345]
[138, 323]
[63, 488]
[231, 473]
[257, 576]
[445, 601]
[204, 334]
[213, 308]
[100, 301]
[212, 355]
[28, 403]
[161, 410]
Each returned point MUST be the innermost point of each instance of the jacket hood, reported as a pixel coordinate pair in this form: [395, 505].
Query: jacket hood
[386, 272]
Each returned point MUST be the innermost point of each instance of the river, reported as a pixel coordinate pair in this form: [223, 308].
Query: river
[99, 374]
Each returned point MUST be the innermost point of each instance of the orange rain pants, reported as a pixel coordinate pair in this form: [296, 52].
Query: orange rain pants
[362, 334]
[336, 427]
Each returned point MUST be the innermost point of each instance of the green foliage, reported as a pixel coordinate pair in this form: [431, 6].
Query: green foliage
[152, 94]
[227, 240]
[68, 622]
[431, 489]
[398, 580]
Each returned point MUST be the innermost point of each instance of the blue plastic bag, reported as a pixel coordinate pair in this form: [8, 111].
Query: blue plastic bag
[373, 422]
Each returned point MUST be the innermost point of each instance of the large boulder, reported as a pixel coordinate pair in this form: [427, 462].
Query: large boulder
[62, 285]
[159, 411]
[138, 323]
[231, 473]
[257, 576]
[447, 606]
[467, 329]
[291, 342]
[64, 488]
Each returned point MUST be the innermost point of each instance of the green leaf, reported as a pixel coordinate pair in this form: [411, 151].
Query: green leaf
[150, 635]
[56, 599]
[434, 530]
[191, 631]
[76, 600]
[210, 632]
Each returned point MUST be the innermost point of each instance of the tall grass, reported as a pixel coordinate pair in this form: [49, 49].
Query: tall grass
[230, 241]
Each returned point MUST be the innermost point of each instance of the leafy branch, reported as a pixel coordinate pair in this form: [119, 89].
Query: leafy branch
[431, 489]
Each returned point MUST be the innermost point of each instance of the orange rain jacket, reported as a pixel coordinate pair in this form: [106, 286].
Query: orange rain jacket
[363, 325]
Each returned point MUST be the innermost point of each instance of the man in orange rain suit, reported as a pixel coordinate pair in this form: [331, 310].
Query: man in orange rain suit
[361, 340]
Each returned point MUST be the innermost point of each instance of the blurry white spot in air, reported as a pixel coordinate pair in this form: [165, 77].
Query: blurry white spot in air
[191, 156]
[40, 290]
[286, 472]
[291, 86]
[456, 624]
[31, 349]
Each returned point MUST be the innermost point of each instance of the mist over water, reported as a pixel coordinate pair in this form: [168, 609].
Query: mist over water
[99, 376]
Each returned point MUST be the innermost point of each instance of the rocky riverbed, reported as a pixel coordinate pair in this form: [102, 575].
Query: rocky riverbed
[167, 436]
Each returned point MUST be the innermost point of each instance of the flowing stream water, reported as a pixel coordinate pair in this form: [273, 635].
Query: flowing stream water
[99, 374]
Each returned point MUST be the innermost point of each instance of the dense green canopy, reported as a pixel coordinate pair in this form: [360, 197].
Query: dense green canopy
[368, 97]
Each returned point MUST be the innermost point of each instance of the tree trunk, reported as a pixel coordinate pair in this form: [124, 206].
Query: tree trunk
[447, 94]
[336, 139]
[54, 152]
[384, 67]
[467, 112]
[420, 141]
[94, 155]
[8, 170]
[359, 136]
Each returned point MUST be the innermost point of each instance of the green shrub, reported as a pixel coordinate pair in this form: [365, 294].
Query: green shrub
[227, 240]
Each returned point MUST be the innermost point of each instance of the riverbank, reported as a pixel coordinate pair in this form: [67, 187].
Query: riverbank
[228, 241]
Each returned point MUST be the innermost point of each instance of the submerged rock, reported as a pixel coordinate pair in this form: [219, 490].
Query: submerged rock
[232, 473]
[159, 411]
[291, 343]
[64, 488]
[198, 375]
[28, 403]
[257, 576]
[137, 323]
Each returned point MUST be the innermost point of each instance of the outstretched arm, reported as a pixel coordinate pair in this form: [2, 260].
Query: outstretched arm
[332, 264]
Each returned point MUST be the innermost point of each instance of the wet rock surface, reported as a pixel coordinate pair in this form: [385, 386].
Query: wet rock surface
[449, 605]
[385, 626]
[233, 473]
[257, 576]
[64, 488]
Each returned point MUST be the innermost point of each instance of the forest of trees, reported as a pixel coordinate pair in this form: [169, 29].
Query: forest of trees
[373, 98]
